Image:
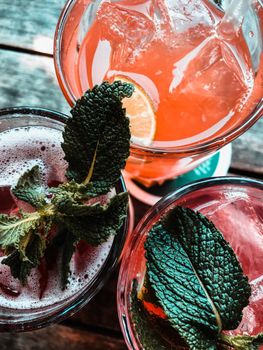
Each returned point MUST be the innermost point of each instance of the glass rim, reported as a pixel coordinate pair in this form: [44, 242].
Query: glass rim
[138, 234]
[100, 278]
[197, 148]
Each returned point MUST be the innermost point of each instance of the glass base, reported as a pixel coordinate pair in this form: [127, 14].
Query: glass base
[216, 165]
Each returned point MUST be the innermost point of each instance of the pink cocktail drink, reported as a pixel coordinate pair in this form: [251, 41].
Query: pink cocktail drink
[28, 138]
[235, 207]
[203, 84]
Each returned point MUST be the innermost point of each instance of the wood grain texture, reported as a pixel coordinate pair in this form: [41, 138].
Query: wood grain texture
[248, 150]
[60, 338]
[29, 80]
[29, 24]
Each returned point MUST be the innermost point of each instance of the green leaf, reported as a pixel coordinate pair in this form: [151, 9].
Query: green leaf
[68, 248]
[243, 342]
[34, 251]
[30, 189]
[196, 277]
[143, 324]
[78, 192]
[97, 228]
[62, 245]
[96, 138]
[13, 228]
[65, 204]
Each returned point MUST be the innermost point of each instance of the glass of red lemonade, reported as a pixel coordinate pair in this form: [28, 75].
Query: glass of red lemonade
[29, 137]
[234, 205]
[197, 73]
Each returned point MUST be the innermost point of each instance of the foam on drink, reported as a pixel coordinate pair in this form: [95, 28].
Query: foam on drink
[21, 149]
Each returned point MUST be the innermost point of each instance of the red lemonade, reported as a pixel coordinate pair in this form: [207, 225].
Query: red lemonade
[201, 83]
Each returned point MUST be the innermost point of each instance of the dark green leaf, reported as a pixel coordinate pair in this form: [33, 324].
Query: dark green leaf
[96, 138]
[68, 248]
[96, 229]
[196, 277]
[65, 204]
[147, 334]
[30, 188]
[34, 251]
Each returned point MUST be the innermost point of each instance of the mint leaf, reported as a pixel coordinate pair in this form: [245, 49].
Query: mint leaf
[34, 251]
[65, 204]
[13, 228]
[147, 335]
[78, 192]
[243, 342]
[96, 228]
[97, 137]
[196, 277]
[68, 248]
[30, 189]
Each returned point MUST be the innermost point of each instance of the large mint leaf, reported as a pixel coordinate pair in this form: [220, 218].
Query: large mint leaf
[30, 188]
[97, 228]
[96, 138]
[196, 277]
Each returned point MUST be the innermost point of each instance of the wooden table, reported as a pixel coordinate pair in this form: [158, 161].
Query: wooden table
[27, 77]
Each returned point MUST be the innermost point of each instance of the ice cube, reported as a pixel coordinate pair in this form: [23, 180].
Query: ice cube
[241, 226]
[127, 28]
[240, 220]
[252, 321]
[183, 21]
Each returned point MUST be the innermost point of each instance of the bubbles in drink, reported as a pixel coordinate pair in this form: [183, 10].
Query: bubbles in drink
[23, 148]
[20, 150]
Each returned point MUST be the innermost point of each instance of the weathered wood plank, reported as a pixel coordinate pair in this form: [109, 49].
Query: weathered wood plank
[60, 338]
[29, 24]
[29, 80]
[248, 150]
[102, 310]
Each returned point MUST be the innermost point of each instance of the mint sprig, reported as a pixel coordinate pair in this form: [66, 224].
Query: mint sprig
[196, 278]
[96, 146]
[96, 138]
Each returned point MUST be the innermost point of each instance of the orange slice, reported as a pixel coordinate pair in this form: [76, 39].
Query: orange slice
[140, 110]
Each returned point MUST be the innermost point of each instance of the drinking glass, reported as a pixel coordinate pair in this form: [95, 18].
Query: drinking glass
[234, 205]
[41, 133]
[86, 53]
